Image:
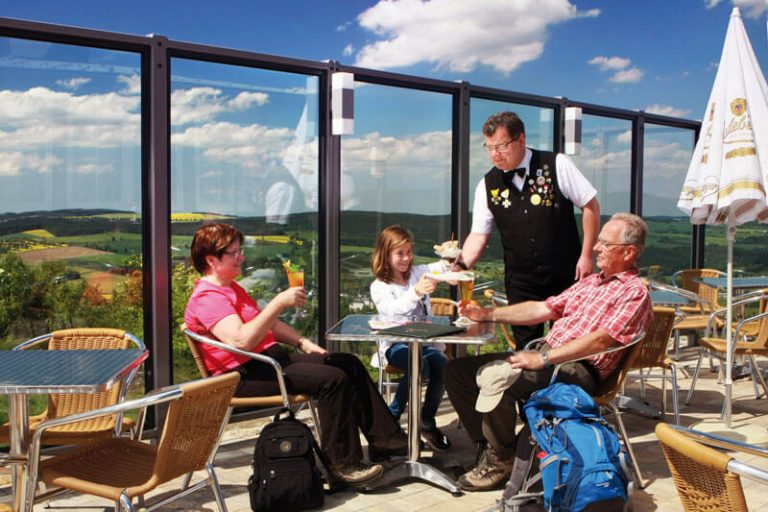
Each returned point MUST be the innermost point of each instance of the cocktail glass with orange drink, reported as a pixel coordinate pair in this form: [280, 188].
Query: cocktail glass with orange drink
[295, 276]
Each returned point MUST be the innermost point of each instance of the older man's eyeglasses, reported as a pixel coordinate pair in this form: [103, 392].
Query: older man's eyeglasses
[501, 148]
[235, 253]
[608, 245]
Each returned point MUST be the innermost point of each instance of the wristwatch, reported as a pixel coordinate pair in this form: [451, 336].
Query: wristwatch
[545, 360]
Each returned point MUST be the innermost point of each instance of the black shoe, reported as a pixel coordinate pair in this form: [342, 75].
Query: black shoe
[395, 446]
[436, 439]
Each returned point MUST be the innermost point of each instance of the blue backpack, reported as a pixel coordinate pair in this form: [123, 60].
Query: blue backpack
[582, 461]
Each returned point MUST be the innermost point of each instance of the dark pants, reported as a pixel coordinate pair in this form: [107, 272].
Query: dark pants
[347, 399]
[498, 426]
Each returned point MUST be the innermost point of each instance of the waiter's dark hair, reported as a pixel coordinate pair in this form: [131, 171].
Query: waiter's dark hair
[508, 120]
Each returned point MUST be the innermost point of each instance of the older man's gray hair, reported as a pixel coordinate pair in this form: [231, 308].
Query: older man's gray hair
[635, 232]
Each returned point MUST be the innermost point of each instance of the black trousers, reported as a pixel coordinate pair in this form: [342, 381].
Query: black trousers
[498, 426]
[347, 399]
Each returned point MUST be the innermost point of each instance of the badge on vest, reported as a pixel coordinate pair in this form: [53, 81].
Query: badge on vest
[541, 189]
[500, 198]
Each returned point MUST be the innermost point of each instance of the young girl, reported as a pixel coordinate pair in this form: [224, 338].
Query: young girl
[402, 288]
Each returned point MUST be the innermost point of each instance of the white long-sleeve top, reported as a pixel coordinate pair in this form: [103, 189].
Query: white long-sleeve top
[395, 299]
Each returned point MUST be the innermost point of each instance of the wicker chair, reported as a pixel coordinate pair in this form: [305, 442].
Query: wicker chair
[716, 347]
[498, 299]
[706, 479]
[83, 432]
[123, 469]
[686, 279]
[653, 354]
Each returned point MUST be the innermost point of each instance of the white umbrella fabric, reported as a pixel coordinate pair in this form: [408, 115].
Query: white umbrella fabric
[727, 177]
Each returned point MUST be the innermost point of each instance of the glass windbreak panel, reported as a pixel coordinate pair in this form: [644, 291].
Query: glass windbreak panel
[539, 134]
[750, 255]
[244, 151]
[70, 190]
[396, 169]
[606, 161]
[666, 155]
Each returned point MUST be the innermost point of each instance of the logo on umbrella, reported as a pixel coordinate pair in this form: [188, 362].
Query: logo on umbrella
[738, 106]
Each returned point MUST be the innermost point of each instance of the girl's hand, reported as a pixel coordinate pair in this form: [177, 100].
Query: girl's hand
[291, 298]
[425, 286]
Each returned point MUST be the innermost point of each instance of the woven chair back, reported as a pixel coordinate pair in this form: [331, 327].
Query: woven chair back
[193, 425]
[653, 348]
[700, 474]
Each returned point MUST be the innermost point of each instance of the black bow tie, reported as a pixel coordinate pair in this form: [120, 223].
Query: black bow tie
[508, 181]
[520, 171]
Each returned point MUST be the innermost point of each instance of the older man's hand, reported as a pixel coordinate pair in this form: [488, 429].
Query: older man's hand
[475, 311]
[527, 360]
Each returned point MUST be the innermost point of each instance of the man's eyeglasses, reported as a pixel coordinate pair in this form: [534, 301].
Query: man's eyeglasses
[501, 148]
[236, 253]
[607, 245]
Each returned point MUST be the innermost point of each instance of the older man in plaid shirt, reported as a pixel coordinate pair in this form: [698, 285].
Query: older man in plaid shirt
[598, 312]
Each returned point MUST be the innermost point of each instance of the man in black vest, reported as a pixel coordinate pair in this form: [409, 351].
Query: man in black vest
[530, 195]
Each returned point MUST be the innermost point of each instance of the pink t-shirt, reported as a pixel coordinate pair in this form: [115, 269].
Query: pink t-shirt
[209, 304]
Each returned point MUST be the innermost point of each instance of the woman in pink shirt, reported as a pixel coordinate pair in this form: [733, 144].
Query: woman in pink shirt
[347, 399]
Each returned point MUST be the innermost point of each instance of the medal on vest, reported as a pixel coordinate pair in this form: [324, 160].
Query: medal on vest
[535, 199]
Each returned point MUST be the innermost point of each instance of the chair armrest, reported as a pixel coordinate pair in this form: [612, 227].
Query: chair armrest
[32, 342]
[253, 355]
[741, 302]
[498, 298]
[637, 339]
[725, 443]
[682, 292]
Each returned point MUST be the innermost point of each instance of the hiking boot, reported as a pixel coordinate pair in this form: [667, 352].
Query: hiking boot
[436, 440]
[491, 472]
[395, 446]
[357, 473]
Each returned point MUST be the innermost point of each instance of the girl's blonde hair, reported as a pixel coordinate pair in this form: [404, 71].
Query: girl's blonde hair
[388, 240]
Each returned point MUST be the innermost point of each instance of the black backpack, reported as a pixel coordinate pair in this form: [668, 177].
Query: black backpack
[285, 475]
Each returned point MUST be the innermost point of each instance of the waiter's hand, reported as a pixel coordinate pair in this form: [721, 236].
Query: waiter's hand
[583, 268]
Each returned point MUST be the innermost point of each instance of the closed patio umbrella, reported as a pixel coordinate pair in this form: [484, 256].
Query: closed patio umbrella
[727, 176]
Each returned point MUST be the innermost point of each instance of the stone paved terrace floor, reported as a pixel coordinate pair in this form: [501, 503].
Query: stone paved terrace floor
[234, 463]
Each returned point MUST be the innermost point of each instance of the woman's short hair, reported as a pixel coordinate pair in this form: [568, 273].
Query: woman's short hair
[212, 240]
[389, 239]
[508, 120]
[635, 231]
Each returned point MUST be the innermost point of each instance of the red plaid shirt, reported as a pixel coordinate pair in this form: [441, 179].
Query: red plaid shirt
[619, 304]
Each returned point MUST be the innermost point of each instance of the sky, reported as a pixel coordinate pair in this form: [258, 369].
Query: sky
[232, 126]
[654, 55]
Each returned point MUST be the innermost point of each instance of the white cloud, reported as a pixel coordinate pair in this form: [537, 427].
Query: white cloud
[12, 163]
[461, 35]
[666, 110]
[132, 84]
[606, 63]
[751, 8]
[93, 169]
[348, 50]
[73, 83]
[627, 76]
[202, 104]
[42, 117]
[625, 137]
[246, 100]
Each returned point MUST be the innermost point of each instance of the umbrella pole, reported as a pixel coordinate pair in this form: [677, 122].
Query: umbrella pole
[731, 238]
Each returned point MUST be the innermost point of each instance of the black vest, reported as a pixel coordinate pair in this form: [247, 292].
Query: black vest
[537, 225]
